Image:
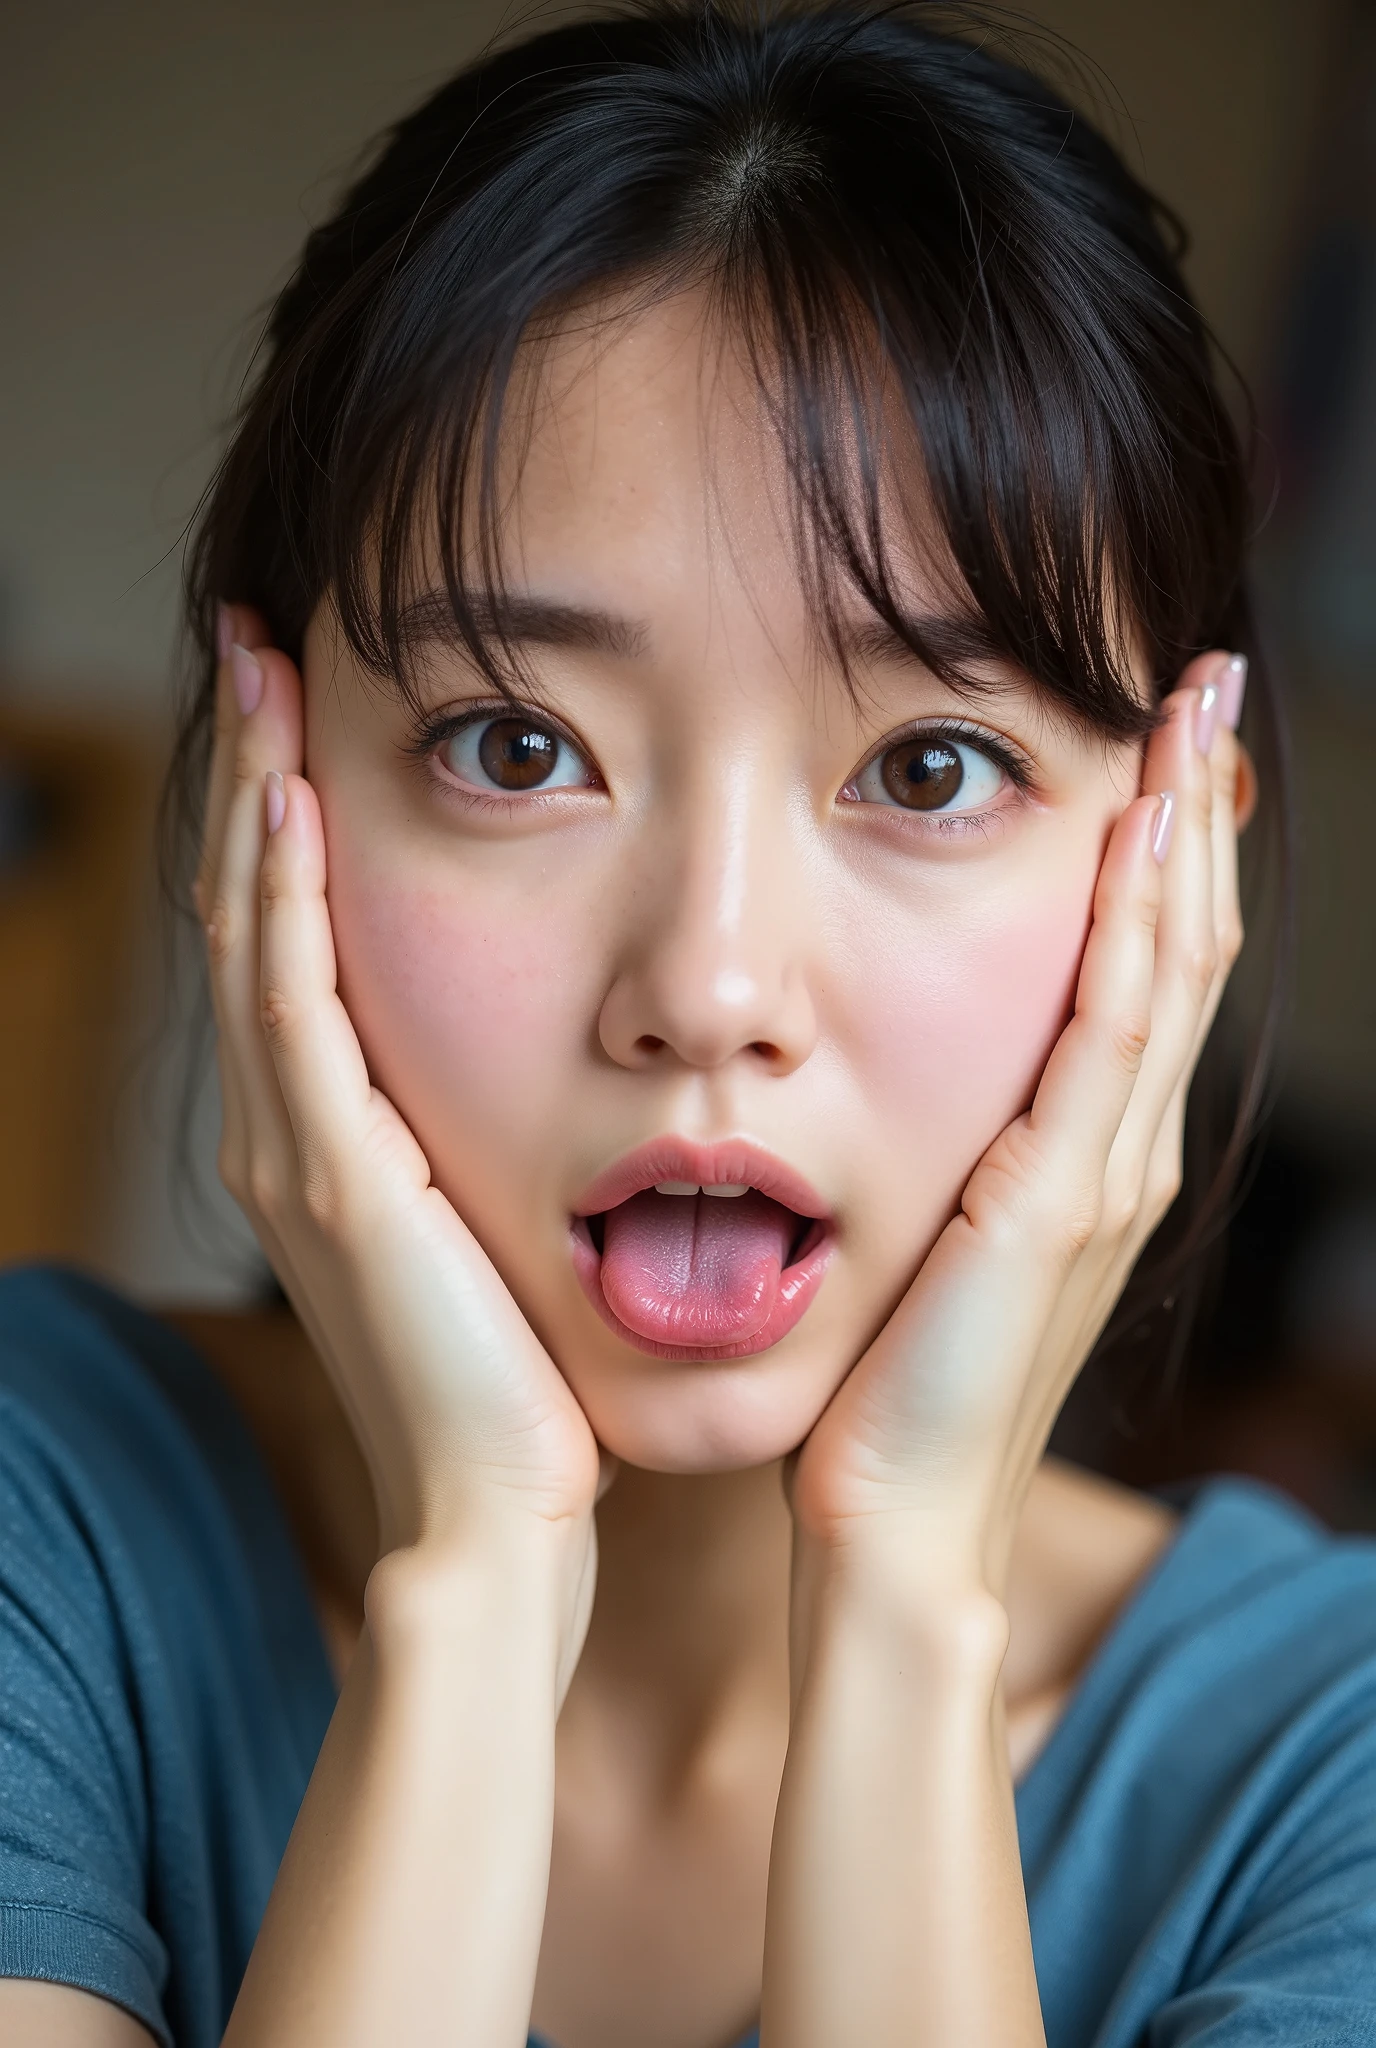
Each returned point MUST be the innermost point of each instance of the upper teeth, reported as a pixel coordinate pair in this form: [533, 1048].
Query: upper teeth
[691, 1187]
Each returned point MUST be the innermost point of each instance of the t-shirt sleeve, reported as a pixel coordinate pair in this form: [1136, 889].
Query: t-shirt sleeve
[74, 1822]
[1289, 1958]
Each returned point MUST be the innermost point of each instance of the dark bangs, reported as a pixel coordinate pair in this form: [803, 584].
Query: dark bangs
[924, 252]
[896, 224]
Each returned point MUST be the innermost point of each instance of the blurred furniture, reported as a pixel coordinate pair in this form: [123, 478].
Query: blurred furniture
[76, 807]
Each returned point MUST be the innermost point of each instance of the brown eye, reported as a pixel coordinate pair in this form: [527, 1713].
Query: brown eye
[929, 772]
[515, 754]
[923, 775]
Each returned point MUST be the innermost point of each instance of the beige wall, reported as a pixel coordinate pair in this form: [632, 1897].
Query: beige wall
[159, 164]
[1217, 101]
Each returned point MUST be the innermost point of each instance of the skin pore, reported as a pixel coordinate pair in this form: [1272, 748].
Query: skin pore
[705, 935]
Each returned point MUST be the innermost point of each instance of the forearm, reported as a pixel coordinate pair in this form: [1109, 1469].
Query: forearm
[410, 1901]
[896, 1908]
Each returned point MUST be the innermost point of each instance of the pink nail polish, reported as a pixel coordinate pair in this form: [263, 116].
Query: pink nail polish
[1232, 686]
[224, 632]
[1206, 717]
[1165, 824]
[248, 680]
[275, 791]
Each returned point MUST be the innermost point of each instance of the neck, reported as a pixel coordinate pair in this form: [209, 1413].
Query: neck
[689, 1635]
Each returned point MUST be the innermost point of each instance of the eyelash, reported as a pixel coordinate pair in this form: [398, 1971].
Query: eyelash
[1016, 765]
[431, 733]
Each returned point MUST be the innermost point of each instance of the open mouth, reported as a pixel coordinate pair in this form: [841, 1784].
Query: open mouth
[702, 1256]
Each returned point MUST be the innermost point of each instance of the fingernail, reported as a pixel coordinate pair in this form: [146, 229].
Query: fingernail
[1232, 687]
[248, 680]
[224, 632]
[276, 791]
[1164, 826]
[1206, 717]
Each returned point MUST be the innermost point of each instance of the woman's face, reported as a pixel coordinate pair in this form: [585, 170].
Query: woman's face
[709, 917]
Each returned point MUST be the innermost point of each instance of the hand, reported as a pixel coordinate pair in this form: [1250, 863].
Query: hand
[460, 1412]
[947, 1414]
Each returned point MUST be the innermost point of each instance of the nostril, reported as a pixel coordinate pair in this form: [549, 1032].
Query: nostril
[648, 1044]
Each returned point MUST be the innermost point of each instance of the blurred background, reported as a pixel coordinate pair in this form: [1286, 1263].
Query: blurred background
[159, 167]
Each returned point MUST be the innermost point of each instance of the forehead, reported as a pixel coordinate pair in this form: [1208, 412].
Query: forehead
[632, 417]
[642, 440]
[644, 477]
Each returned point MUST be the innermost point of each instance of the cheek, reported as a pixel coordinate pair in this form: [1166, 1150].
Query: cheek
[961, 1012]
[468, 1008]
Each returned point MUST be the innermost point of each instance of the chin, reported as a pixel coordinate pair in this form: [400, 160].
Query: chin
[694, 1437]
[666, 1415]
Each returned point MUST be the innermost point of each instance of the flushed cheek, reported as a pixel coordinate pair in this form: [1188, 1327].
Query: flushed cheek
[958, 1021]
[468, 1012]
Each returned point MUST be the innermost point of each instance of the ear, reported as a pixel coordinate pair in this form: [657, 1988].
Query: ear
[1248, 789]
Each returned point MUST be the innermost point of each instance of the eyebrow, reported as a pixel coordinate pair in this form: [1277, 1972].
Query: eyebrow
[522, 619]
[526, 619]
[957, 638]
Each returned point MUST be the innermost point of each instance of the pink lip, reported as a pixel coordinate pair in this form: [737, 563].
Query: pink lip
[729, 1163]
[733, 1161]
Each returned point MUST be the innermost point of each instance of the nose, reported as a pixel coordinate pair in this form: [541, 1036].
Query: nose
[715, 965]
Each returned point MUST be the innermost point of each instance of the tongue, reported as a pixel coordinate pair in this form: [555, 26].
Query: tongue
[695, 1269]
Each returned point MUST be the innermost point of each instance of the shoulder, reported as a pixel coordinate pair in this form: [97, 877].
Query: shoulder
[82, 1367]
[163, 1685]
[94, 1458]
[1217, 1769]
[117, 1429]
[1251, 1623]
[122, 1452]
[1257, 1598]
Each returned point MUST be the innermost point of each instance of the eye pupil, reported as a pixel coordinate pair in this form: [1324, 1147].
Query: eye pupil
[517, 755]
[923, 774]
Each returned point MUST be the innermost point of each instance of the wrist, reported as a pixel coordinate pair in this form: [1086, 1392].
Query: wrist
[907, 1589]
[511, 1583]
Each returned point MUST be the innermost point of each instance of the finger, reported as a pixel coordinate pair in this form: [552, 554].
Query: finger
[1225, 765]
[1142, 1174]
[1187, 940]
[315, 1054]
[236, 625]
[269, 735]
[1228, 764]
[1089, 1079]
[1180, 756]
[1226, 760]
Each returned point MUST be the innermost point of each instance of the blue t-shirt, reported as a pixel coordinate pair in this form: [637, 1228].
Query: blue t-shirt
[1198, 1836]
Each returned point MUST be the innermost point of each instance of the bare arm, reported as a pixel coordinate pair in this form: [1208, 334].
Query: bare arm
[411, 1898]
[897, 1914]
[34, 2015]
[410, 1902]
[896, 1908]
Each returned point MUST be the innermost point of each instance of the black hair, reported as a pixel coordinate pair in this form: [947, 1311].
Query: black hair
[926, 251]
